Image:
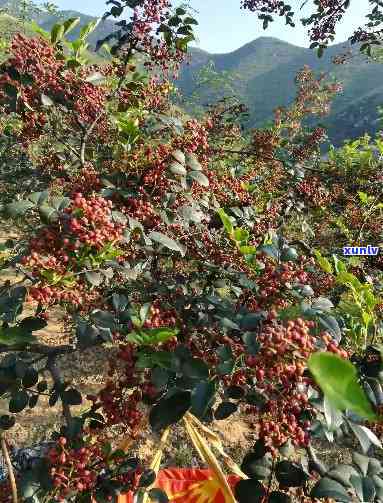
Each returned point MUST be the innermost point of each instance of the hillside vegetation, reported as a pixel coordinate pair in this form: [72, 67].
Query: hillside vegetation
[264, 72]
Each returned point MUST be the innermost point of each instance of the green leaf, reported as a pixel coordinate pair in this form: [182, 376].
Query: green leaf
[225, 353]
[362, 462]
[328, 488]
[289, 254]
[364, 488]
[151, 336]
[342, 473]
[256, 398]
[322, 303]
[158, 496]
[167, 242]
[35, 27]
[94, 278]
[270, 250]
[191, 214]
[338, 380]
[160, 377]
[324, 264]
[57, 33]
[60, 203]
[330, 324]
[30, 378]
[200, 178]
[95, 78]
[248, 250]
[119, 302]
[46, 101]
[225, 410]
[241, 235]
[252, 345]
[249, 491]
[15, 335]
[70, 23]
[195, 369]
[257, 464]
[147, 478]
[290, 474]
[18, 402]
[32, 323]
[103, 319]
[279, 497]
[144, 311]
[179, 156]
[38, 197]
[170, 410]
[235, 392]
[177, 169]
[193, 163]
[346, 278]
[18, 208]
[7, 422]
[88, 28]
[72, 397]
[226, 221]
[365, 436]
[203, 398]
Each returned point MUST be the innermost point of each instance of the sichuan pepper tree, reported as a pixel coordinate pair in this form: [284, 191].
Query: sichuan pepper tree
[145, 229]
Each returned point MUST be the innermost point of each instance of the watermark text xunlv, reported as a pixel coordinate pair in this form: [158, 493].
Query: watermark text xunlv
[361, 250]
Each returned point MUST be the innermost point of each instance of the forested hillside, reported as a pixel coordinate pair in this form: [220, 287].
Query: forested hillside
[263, 78]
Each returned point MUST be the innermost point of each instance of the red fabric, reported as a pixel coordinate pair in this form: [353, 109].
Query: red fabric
[188, 485]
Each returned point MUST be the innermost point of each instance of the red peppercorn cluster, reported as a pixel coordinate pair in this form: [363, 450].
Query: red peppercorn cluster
[87, 222]
[195, 137]
[265, 142]
[309, 146]
[279, 368]
[36, 59]
[315, 194]
[272, 283]
[71, 468]
[87, 181]
[85, 225]
[76, 470]
[160, 317]
[142, 211]
[79, 297]
[120, 397]
[90, 221]
[333, 347]
[146, 19]
[321, 282]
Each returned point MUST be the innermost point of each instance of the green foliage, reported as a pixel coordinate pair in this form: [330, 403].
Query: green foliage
[338, 380]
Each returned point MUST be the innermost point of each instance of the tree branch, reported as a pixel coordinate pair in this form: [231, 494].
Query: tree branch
[89, 129]
[49, 351]
[11, 475]
[56, 376]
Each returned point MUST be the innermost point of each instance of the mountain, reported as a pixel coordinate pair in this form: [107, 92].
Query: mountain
[263, 73]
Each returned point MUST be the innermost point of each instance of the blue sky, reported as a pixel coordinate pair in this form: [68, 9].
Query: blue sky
[224, 27]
